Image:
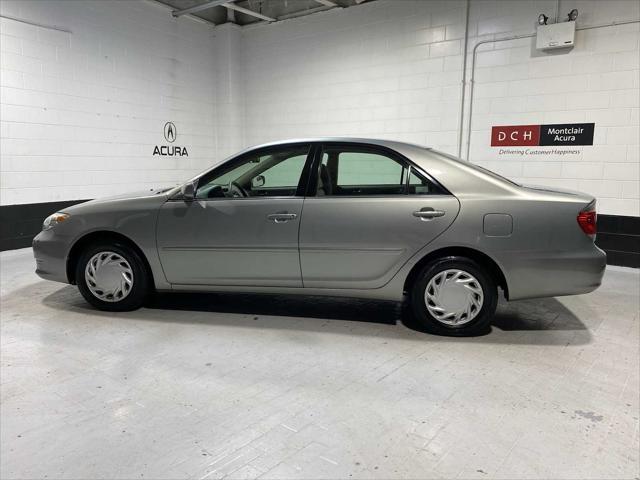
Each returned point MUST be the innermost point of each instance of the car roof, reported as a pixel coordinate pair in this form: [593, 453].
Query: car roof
[371, 141]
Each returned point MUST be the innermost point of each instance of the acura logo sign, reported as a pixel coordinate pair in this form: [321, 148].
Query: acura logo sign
[170, 134]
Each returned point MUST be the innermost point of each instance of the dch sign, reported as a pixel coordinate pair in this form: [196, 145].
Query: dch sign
[542, 135]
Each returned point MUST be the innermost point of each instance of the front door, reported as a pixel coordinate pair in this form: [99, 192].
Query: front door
[242, 227]
[371, 212]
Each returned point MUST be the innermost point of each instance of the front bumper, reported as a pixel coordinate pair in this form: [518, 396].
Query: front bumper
[50, 251]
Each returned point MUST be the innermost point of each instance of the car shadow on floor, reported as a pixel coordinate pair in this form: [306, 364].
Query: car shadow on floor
[542, 321]
[328, 308]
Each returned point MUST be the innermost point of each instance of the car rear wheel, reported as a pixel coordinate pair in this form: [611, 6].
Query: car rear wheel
[454, 296]
[112, 277]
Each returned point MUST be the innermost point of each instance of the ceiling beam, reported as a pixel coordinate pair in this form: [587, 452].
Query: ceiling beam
[246, 11]
[231, 16]
[233, 7]
[199, 8]
[302, 13]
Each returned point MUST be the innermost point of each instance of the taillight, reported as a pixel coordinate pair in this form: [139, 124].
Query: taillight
[588, 219]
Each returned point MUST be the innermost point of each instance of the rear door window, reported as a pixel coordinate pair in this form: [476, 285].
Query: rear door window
[350, 171]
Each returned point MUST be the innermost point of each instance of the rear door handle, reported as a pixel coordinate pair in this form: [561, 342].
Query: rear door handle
[281, 217]
[428, 213]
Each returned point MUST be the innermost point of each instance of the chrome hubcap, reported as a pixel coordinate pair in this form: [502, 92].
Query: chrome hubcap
[109, 276]
[454, 297]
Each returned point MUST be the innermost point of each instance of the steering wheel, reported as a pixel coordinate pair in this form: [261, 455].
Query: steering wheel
[236, 190]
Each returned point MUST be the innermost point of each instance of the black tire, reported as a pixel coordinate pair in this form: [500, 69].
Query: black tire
[480, 324]
[141, 279]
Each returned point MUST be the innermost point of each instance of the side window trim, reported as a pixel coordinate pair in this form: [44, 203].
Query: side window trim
[307, 171]
[312, 184]
[407, 181]
[234, 162]
[442, 188]
[312, 174]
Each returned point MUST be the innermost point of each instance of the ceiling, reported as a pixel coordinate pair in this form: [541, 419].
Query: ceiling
[219, 11]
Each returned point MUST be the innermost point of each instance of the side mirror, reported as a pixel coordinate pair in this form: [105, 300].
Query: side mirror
[189, 192]
[257, 182]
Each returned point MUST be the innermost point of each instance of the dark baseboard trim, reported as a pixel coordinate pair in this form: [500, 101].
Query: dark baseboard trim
[618, 235]
[20, 223]
[623, 259]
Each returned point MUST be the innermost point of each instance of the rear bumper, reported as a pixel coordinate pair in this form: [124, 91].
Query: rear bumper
[50, 252]
[554, 274]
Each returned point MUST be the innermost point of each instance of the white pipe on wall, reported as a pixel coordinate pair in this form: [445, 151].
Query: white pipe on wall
[464, 77]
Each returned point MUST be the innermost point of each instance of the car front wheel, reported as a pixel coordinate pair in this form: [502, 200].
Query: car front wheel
[454, 296]
[112, 277]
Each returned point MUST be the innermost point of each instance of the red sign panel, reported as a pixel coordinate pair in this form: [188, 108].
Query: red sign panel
[515, 135]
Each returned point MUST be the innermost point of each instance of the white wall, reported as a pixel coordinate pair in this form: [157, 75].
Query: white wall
[598, 81]
[81, 112]
[393, 69]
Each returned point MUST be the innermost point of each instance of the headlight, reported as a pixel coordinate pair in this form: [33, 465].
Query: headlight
[53, 220]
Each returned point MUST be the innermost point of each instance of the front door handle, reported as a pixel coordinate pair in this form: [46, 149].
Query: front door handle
[428, 213]
[281, 217]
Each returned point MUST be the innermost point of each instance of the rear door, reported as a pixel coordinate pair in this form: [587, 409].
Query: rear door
[367, 211]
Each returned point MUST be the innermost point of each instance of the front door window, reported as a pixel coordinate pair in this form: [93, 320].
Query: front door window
[266, 173]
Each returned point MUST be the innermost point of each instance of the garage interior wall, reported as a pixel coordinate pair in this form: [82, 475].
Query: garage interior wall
[83, 111]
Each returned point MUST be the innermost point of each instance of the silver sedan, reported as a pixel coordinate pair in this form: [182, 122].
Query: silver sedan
[335, 217]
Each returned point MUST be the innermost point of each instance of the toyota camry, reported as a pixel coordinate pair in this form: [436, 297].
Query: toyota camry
[336, 217]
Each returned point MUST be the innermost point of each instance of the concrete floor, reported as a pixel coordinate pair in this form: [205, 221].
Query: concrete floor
[238, 386]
